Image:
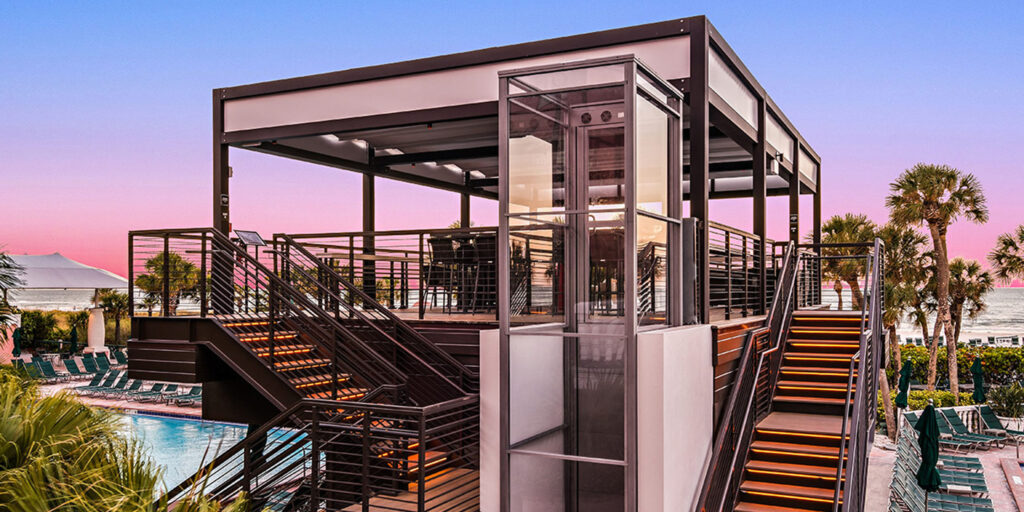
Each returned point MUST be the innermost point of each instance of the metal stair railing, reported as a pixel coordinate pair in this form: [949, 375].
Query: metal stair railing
[265, 313]
[750, 398]
[340, 297]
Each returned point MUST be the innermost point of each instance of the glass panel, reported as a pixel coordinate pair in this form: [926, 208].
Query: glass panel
[808, 167]
[567, 393]
[729, 86]
[538, 484]
[536, 155]
[652, 270]
[649, 87]
[573, 78]
[778, 138]
[605, 167]
[538, 271]
[652, 138]
[606, 260]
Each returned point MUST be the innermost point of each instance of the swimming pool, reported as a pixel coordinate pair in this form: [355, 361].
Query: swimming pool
[179, 445]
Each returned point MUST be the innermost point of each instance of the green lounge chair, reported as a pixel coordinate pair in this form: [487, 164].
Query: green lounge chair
[132, 387]
[155, 389]
[962, 463]
[50, 373]
[960, 429]
[194, 396]
[90, 366]
[159, 397]
[120, 358]
[106, 385]
[72, 367]
[118, 387]
[93, 383]
[995, 427]
[102, 362]
[36, 373]
[106, 380]
[948, 441]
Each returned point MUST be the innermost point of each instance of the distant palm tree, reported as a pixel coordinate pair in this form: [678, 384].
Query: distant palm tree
[10, 277]
[936, 196]
[115, 305]
[903, 277]
[968, 285]
[183, 278]
[1007, 257]
[846, 229]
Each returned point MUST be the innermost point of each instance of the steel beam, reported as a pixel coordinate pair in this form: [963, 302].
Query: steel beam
[794, 199]
[760, 193]
[699, 157]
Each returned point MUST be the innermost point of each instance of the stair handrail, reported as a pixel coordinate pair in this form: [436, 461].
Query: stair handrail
[782, 304]
[870, 329]
[466, 376]
[283, 287]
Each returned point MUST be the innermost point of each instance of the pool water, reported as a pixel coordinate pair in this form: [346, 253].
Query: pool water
[181, 446]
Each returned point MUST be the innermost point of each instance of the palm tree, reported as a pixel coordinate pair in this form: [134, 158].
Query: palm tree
[1008, 256]
[968, 285]
[10, 277]
[115, 305]
[846, 229]
[183, 277]
[936, 196]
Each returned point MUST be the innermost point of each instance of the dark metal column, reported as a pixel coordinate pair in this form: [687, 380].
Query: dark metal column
[817, 208]
[760, 194]
[221, 264]
[369, 225]
[699, 134]
[794, 197]
[464, 206]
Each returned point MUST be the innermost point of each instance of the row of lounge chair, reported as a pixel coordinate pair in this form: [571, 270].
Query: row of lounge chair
[117, 385]
[956, 436]
[963, 486]
[974, 342]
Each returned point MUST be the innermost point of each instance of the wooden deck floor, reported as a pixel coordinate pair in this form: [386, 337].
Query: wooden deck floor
[454, 490]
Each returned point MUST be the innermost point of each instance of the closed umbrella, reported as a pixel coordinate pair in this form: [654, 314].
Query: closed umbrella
[73, 341]
[904, 387]
[16, 351]
[979, 381]
[928, 439]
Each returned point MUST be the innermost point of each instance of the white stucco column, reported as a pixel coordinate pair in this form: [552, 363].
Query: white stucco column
[97, 332]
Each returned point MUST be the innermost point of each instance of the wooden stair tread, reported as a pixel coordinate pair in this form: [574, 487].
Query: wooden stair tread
[816, 493]
[343, 394]
[283, 350]
[278, 335]
[301, 363]
[758, 507]
[811, 342]
[317, 379]
[811, 399]
[808, 449]
[819, 314]
[802, 423]
[820, 356]
[815, 384]
[800, 469]
[818, 369]
[432, 457]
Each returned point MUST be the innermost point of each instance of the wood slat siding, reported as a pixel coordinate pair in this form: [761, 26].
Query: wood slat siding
[728, 340]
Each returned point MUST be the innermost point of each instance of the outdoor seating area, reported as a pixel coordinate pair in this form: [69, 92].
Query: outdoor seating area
[963, 482]
[118, 386]
[957, 436]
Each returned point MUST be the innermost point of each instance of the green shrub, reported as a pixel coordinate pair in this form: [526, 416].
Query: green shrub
[1007, 401]
[1001, 365]
[37, 326]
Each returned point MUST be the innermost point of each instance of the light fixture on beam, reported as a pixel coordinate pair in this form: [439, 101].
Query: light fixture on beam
[773, 166]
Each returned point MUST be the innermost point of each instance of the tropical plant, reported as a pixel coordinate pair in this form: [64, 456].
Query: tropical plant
[183, 277]
[968, 285]
[38, 326]
[150, 301]
[1007, 401]
[1007, 258]
[115, 307]
[10, 277]
[936, 196]
[59, 454]
[79, 321]
[847, 229]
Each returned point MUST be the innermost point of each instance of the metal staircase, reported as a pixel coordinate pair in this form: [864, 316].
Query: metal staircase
[801, 415]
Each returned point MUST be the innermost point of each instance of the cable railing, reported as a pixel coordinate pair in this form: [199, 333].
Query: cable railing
[386, 332]
[733, 263]
[864, 365]
[321, 455]
[202, 272]
[750, 398]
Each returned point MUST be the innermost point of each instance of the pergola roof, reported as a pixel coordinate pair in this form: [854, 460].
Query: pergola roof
[433, 121]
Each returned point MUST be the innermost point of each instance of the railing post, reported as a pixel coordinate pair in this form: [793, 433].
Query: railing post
[131, 275]
[367, 420]
[166, 305]
[728, 276]
[746, 279]
[422, 465]
[247, 470]
[423, 301]
[203, 303]
[314, 467]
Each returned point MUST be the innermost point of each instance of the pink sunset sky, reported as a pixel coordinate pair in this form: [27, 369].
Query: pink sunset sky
[105, 111]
